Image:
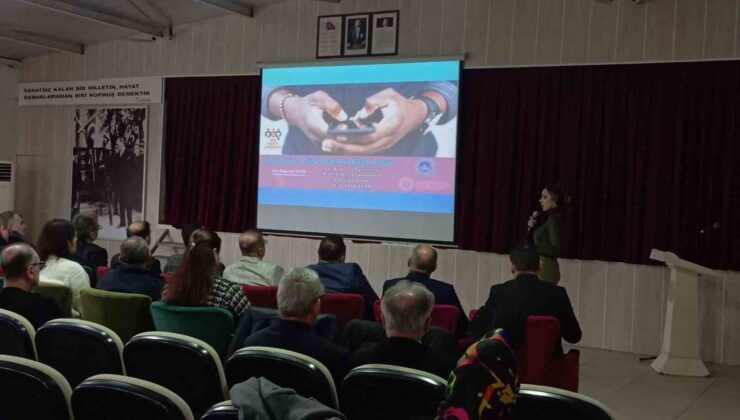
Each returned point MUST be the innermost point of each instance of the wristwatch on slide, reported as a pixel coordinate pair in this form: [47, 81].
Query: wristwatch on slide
[434, 114]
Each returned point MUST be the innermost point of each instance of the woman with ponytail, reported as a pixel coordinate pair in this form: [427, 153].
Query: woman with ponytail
[196, 281]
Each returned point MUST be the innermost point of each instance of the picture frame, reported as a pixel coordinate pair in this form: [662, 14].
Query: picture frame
[384, 33]
[357, 34]
[329, 37]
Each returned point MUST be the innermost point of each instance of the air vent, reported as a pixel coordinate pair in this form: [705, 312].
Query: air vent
[6, 171]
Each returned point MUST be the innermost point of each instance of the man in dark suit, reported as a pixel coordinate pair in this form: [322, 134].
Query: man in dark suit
[509, 304]
[131, 274]
[341, 277]
[422, 263]
[143, 230]
[21, 266]
[406, 315]
[299, 304]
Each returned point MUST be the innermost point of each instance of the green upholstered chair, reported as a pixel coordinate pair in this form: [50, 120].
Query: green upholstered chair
[61, 294]
[215, 326]
[127, 314]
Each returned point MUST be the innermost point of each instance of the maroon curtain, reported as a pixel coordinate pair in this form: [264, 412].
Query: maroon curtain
[210, 152]
[649, 153]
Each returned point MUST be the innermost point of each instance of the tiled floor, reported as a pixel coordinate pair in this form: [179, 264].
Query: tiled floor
[633, 390]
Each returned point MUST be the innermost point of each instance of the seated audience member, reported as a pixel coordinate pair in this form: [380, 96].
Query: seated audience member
[16, 226]
[130, 274]
[143, 230]
[4, 230]
[21, 265]
[509, 304]
[250, 269]
[407, 312]
[341, 277]
[174, 261]
[57, 244]
[88, 253]
[196, 281]
[484, 384]
[422, 263]
[299, 303]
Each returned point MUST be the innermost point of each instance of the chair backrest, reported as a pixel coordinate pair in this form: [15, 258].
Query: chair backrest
[32, 390]
[60, 293]
[101, 270]
[121, 397]
[535, 352]
[540, 402]
[346, 306]
[16, 335]
[79, 349]
[166, 277]
[472, 314]
[384, 392]
[222, 411]
[185, 365]
[215, 326]
[445, 316]
[288, 369]
[125, 313]
[262, 296]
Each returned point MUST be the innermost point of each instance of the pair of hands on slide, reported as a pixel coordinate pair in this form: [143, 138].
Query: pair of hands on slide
[400, 116]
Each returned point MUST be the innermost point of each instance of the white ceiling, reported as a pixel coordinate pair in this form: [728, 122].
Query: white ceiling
[23, 19]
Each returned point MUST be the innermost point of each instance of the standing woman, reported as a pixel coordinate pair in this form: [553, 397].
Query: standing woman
[549, 237]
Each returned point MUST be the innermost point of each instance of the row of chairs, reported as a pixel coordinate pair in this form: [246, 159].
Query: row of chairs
[34, 390]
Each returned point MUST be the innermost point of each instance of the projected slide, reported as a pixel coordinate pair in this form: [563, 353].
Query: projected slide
[363, 150]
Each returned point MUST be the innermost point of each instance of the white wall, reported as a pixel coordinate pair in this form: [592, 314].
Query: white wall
[620, 306]
[8, 111]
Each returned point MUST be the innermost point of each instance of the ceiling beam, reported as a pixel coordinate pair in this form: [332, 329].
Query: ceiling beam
[229, 6]
[70, 7]
[41, 41]
[9, 61]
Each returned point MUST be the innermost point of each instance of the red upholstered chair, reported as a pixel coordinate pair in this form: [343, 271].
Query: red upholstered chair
[100, 271]
[445, 316]
[262, 296]
[535, 362]
[346, 306]
[167, 277]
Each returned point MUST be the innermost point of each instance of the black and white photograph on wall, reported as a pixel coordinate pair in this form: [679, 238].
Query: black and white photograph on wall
[385, 33]
[356, 34]
[108, 167]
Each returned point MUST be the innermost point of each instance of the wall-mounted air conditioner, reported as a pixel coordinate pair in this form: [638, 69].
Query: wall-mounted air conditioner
[7, 185]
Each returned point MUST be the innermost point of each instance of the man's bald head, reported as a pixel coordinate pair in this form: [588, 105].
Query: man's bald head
[140, 228]
[16, 259]
[423, 259]
[252, 243]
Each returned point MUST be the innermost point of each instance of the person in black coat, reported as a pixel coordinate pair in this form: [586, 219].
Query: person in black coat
[406, 314]
[89, 254]
[131, 274]
[509, 304]
[422, 263]
[299, 304]
[341, 277]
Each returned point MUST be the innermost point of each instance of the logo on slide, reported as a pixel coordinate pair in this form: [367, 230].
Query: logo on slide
[273, 138]
[406, 184]
[425, 167]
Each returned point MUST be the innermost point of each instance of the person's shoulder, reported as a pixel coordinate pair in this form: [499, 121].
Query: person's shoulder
[354, 267]
[441, 284]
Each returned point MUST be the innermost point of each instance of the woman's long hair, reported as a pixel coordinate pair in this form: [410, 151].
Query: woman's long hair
[191, 284]
[55, 238]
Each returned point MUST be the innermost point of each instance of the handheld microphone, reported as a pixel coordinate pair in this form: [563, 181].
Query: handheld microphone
[533, 218]
[708, 229]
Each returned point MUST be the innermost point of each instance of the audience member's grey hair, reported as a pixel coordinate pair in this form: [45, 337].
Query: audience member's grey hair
[297, 291]
[134, 250]
[406, 307]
